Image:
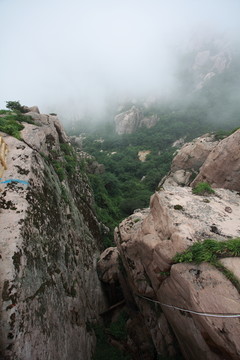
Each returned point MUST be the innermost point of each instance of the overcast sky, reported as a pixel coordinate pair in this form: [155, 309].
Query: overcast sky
[66, 55]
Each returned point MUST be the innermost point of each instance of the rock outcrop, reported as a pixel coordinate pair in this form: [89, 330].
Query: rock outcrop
[147, 242]
[33, 109]
[175, 300]
[202, 288]
[129, 121]
[189, 159]
[49, 248]
[208, 61]
[108, 266]
[222, 166]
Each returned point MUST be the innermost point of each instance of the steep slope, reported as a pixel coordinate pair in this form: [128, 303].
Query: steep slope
[49, 246]
[222, 166]
[129, 121]
[177, 300]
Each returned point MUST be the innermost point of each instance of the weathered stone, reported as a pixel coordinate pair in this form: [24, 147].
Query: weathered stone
[204, 289]
[179, 143]
[192, 155]
[49, 234]
[177, 178]
[188, 160]
[222, 167]
[94, 167]
[176, 219]
[148, 240]
[143, 154]
[33, 109]
[232, 264]
[129, 121]
[108, 266]
[148, 121]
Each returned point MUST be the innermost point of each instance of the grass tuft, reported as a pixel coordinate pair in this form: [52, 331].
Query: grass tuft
[211, 251]
[202, 188]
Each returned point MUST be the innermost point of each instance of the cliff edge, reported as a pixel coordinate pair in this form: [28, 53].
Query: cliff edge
[49, 247]
[194, 305]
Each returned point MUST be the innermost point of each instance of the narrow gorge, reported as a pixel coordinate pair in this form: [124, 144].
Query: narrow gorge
[147, 296]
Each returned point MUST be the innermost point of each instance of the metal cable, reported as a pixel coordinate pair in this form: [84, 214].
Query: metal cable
[219, 315]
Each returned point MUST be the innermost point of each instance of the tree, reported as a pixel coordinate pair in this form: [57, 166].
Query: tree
[14, 106]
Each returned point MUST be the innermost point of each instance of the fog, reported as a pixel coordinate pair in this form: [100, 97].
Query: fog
[72, 56]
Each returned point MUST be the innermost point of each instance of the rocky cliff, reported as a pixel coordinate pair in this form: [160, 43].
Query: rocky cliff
[129, 121]
[49, 247]
[185, 306]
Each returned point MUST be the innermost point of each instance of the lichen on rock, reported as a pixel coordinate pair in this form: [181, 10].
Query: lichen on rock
[49, 247]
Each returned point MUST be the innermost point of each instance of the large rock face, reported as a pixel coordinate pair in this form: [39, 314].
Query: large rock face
[49, 246]
[208, 59]
[202, 288]
[192, 155]
[147, 242]
[129, 121]
[207, 65]
[189, 159]
[222, 166]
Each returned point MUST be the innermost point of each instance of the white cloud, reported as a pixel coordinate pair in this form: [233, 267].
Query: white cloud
[68, 53]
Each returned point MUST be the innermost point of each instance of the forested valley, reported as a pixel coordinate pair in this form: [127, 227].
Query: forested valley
[126, 183]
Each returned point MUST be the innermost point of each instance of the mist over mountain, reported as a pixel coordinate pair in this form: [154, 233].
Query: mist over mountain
[76, 57]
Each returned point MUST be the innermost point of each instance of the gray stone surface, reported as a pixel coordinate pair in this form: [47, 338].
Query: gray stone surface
[147, 242]
[49, 248]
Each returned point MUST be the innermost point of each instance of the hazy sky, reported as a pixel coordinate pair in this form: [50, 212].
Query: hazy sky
[65, 55]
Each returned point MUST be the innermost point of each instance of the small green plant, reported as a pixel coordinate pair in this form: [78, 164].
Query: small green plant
[164, 273]
[69, 157]
[222, 134]
[203, 188]
[11, 122]
[64, 194]
[178, 207]
[57, 165]
[211, 251]
[9, 125]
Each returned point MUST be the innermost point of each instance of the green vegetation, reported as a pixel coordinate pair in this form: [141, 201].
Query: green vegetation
[178, 207]
[4, 112]
[70, 158]
[10, 126]
[164, 273]
[118, 328]
[128, 183]
[64, 162]
[202, 188]
[11, 122]
[104, 350]
[59, 169]
[211, 251]
[14, 106]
